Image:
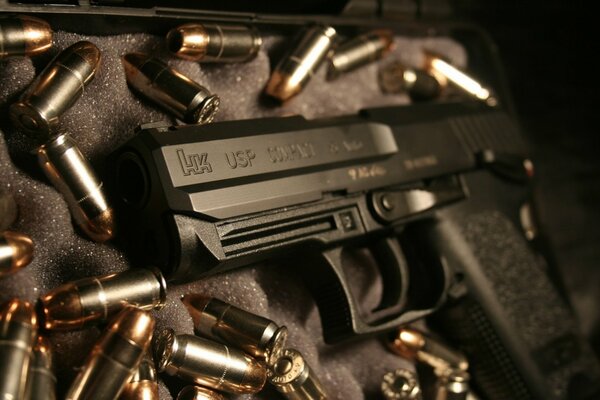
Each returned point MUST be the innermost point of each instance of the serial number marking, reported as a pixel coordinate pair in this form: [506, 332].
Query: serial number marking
[291, 152]
[193, 163]
[421, 162]
[348, 145]
[370, 171]
[240, 158]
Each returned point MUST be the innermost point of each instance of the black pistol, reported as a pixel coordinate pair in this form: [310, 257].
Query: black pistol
[434, 190]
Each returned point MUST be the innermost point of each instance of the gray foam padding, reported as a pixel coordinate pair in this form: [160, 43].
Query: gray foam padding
[105, 117]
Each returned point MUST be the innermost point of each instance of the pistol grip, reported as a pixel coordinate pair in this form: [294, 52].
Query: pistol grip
[340, 313]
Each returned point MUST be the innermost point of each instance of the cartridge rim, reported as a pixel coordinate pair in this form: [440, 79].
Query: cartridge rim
[29, 120]
[276, 345]
[163, 287]
[163, 348]
[204, 112]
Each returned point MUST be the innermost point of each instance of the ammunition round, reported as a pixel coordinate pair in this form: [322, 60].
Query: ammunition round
[414, 345]
[55, 90]
[115, 357]
[395, 77]
[41, 382]
[255, 335]
[18, 331]
[16, 252]
[445, 72]
[73, 176]
[293, 377]
[360, 51]
[400, 384]
[91, 300]
[24, 35]
[208, 363]
[170, 89]
[214, 43]
[143, 385]
[294, 71]
[198, 393]
[453, 385]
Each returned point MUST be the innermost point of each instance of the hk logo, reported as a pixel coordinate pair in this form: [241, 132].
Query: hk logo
[193, 163]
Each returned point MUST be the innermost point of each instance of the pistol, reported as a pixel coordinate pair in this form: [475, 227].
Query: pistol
[433, 190]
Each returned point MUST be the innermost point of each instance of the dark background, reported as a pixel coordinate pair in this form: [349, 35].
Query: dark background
[546, 49]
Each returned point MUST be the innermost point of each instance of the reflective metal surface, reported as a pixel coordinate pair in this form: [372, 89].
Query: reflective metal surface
[16, 252]
[95, 299]
[294, 71]
[143, 385]
[55, 90]
[73, 176]
[360, 51]
[115, 357]
[18, 331]
[443, 71]
[400, 384]
[23, 35]
[414, 345]
[255, 335]
[453, 385]
[395, 77]
[170, 89]
[198, 393]
[41, 381]
[214, 43]
[293, 377]
[208, 363]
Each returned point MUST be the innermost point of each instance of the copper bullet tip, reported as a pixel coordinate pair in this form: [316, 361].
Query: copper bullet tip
[133, 61]
[62, 308]
[255, 377]
[163, 348]
[135, 325]
[188, 41]
[198, 393]
[195, 304]
[407, 342]
[16, 252]
[282, 87]
[89, 53]
[100, 228]
[42, 345]
[387, 38]
[37, 33]
[19, 311]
